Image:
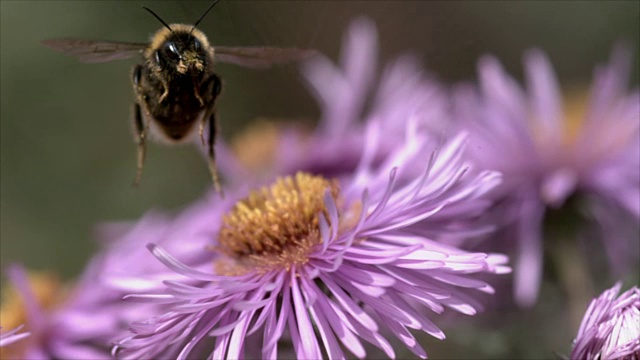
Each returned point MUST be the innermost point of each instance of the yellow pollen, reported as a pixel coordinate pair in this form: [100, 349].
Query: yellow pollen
[575, 111]
[276, 226]
[256, 146]
[47, 291]
[182, 67]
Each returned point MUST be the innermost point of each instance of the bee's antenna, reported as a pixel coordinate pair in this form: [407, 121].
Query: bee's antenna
[158, 17]
[203, 15]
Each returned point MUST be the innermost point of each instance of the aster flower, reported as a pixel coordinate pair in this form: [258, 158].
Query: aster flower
[611, 327]
[12, 336]
[347, 101]
[328, 264]
[548, 155]
[60, 322]
[82, 320]
[124, 263]
[324, 264]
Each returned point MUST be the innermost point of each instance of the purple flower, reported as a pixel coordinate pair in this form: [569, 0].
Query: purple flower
[12, 336]
[547, 155]
[334, 256]
[127, 266]
[347, 102]
[84, 321]
[611, 327]
[60, 322]
[326, 264]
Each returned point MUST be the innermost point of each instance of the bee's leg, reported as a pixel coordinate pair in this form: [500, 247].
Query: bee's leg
[141, 134]
[213, 129]
[140, 126]
[203, 124]
[165, 93]
[203, 121]
[216, 86]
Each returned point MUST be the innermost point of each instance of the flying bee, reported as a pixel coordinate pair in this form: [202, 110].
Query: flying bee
[175, 86]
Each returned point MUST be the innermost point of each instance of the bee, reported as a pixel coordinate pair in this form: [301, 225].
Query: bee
[176, 86]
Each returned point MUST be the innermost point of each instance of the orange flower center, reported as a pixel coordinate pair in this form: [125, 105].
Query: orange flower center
[276, 226]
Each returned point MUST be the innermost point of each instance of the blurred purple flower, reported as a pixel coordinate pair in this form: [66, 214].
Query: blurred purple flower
[331, 263]
[62, 324]
[547, 155]
[12, 336]
[127, 266]
[610, 328]
[347, 103]
[84, 323]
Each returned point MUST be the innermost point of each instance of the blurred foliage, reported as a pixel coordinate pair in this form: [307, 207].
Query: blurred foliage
[67, 154]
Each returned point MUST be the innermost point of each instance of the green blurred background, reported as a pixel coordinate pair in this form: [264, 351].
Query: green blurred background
[67, 152]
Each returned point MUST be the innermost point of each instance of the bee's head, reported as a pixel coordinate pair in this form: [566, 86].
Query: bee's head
[180, 48]
[183, 50]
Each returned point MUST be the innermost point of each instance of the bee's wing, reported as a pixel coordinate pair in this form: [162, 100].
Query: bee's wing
[95, 51]
[260, 57]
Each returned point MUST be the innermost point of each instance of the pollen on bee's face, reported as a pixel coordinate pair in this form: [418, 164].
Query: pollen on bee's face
[277, 225]
[189, 61]
[182, 67]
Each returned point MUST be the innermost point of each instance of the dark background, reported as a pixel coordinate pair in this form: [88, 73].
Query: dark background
[67, 153]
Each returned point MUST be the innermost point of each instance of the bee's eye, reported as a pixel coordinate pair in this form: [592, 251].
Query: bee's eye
[196, 44]
[171, 50]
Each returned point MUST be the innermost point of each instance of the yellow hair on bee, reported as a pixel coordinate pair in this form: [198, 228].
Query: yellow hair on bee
[160, 36]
